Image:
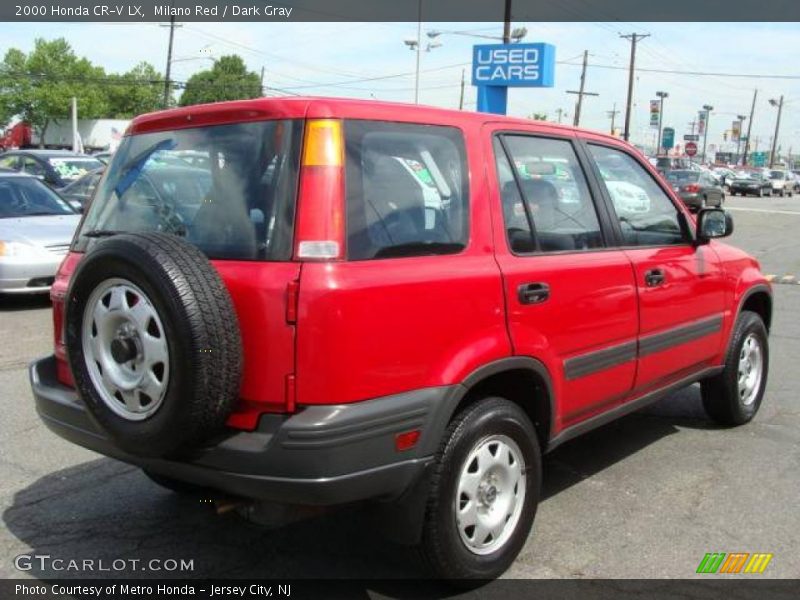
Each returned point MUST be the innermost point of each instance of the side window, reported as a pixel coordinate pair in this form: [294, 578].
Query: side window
[9, 162]
[547, 205]
[646, 215]
[518, 225]
[407, 192]
[33, 167]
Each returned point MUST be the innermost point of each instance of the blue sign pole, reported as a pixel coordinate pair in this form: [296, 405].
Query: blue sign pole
[496, 67]
[492, 99]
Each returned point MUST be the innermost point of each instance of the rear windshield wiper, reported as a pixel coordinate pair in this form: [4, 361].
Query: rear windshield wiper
[99, 233]
[418, 249]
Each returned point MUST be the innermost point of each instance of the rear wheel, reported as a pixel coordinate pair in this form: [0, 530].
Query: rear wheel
[484, 492]
[734, 396]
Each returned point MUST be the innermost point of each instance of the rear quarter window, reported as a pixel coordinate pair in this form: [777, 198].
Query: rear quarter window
[407, 190]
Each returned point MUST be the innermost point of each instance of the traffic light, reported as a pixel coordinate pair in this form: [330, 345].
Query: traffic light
[725, 136]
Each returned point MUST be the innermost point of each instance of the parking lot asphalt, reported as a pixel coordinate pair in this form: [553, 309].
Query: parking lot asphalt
[644, 497]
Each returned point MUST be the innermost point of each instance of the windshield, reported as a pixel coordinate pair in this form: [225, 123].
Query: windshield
[235, 199]
[776, 175]
[28, 197]
[74, 167]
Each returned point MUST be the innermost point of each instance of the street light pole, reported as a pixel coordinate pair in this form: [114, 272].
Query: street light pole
[661, 95]
[779, 104]
[708, 108]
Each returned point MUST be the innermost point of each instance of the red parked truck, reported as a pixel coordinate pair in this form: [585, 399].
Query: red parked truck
[357, 301]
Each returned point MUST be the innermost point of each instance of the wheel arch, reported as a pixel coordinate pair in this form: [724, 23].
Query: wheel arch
[758, 299]
[521, 379]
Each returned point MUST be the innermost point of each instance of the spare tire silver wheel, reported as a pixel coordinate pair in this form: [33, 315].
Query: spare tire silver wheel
[125, 349]
[153, 343]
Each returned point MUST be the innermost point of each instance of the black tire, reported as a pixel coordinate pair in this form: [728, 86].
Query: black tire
[175, 485]
[201, 332]
[720, 394]
[442, 547]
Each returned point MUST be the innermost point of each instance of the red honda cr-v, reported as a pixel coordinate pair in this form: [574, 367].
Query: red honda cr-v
[320, 302]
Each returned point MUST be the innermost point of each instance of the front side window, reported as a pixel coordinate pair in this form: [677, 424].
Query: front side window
[407, 190]
[32, 167]
[646, 215]
[236, 203]
[547, 205]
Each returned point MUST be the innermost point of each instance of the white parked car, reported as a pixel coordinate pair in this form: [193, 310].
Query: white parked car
[782, 181]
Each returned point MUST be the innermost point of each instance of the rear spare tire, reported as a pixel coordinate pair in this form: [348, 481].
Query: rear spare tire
[153, 342]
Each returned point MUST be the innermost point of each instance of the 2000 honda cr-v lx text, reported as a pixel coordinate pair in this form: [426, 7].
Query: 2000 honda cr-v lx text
[360, 301]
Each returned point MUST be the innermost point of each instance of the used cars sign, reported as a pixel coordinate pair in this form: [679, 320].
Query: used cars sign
[513, 65]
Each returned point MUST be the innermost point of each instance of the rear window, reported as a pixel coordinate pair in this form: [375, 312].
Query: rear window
[71, 168]
[407, 191]
[682, 176]
[229, 189]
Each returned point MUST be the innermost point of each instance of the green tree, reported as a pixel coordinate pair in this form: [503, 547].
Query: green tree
[39, 86]
[135, 92]
[538, 116]
[228, 79]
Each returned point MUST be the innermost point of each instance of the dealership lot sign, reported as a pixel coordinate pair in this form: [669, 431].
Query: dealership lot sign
[496, 67]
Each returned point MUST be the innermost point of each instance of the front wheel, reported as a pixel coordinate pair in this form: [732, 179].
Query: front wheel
[484, 492]
[734, 396]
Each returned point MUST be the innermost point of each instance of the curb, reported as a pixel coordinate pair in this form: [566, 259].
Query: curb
[785, 279]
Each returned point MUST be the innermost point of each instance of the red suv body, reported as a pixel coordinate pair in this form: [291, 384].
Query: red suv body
[432, 263]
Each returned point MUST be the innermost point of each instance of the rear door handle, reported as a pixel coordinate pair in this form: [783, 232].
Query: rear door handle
[533, 293]
[654, 277]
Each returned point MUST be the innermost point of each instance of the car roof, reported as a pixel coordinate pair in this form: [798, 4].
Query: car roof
[48, 153]
[298, 107]
[15, 175]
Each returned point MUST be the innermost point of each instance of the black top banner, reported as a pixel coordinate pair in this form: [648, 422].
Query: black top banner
[623, 11]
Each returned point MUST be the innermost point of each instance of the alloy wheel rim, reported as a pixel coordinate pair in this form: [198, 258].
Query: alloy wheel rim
[490, 494]
[125, 349]
[751, 369]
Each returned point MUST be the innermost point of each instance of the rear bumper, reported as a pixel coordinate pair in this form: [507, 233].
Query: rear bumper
[323, 455]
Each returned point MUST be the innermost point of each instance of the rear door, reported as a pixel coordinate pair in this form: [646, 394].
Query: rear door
[570, 295]
[680, 284]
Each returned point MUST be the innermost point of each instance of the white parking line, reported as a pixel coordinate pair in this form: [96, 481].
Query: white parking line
[763, 210]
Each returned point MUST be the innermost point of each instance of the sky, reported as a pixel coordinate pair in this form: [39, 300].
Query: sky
[370, 60]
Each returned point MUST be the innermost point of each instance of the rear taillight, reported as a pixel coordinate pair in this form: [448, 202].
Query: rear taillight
[58, 295]
[320, 216]
[692, 188]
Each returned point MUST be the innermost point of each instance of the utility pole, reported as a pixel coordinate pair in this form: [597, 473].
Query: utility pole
[749, 128]
[661, 95]
[507, 23]
[693, 125]
[612, 114]
[779, 104]
[739, 139]
[634, 38]
[560, 113]
[169, 61]
[577, 117]
[461, 99]
[419, 49]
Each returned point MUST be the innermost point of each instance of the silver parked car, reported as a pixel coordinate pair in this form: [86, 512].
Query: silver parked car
[36, 228]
